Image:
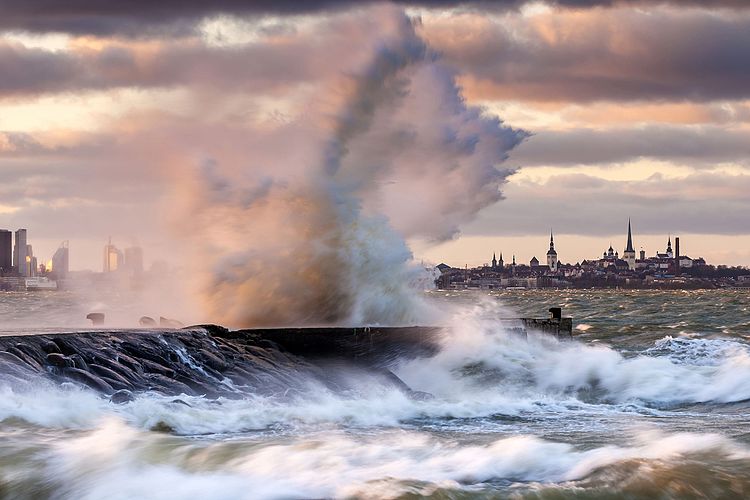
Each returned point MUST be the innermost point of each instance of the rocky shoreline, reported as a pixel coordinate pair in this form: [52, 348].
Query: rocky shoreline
[211, 361]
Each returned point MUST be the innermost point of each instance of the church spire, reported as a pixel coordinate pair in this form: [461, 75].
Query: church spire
[629, 248]
[551, 241]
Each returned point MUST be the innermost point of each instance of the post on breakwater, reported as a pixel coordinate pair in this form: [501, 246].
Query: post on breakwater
[556, 324]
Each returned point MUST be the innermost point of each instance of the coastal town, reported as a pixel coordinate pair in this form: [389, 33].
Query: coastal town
[669, 269]
[20, 269]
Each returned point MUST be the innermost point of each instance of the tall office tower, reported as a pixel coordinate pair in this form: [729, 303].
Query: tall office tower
[19, 254]
[6, 251]
[61, 261]
[32, 266]
[134, 260]
[113, 258]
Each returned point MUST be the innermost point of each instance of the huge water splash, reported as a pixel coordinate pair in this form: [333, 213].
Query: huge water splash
[322, 239]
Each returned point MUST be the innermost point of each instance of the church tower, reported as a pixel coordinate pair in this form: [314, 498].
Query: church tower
[629, 254]
[551, 254]
[494, 262]
[670, 254]
[500, 262]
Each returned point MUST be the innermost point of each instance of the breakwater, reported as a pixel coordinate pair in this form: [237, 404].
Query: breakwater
[210, 360]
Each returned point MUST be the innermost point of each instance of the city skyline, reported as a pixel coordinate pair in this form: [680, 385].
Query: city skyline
[93, 144]
[523, 253]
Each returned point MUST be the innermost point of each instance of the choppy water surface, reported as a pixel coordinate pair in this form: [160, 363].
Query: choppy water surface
[653, 399]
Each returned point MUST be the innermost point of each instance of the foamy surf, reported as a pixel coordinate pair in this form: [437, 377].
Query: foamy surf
[507, 416]
[117, 461]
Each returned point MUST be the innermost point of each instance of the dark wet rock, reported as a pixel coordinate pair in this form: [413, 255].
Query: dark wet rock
[169, 323]
[147, 321]
[162, 426]
[180, 402]
[11, 359]
[78, 362]
[88, 379]
[96, 318]
[21, 355]
[155, 381]
[30, 352]
[58, 360]
[103, 371]
[122, 396]
[49, 347]
[210, 360]
[153, 367]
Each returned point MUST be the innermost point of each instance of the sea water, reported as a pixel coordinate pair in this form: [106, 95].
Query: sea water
[651, 399]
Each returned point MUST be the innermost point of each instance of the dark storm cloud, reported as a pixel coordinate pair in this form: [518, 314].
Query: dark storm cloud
[604, 55]
[694, 146]
[160, 18]
[178, 17]
[600, 54]
[31, 71]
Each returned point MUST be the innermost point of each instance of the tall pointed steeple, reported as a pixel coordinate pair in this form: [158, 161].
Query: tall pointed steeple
[629, 247]
[551, 253]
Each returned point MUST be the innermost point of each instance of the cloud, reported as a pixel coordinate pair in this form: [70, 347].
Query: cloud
[698, 146]
[702, 202]
[141, 18]
[599, 54]
[269, 66]
[620, 54]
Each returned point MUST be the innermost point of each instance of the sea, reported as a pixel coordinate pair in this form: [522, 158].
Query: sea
[651, 399]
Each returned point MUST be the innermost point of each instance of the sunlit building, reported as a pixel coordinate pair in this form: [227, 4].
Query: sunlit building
[113, 258]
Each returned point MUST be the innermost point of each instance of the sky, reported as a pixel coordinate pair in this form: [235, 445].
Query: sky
[516, 119]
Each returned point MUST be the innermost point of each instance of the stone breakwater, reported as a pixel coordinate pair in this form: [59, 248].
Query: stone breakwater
[211, 361]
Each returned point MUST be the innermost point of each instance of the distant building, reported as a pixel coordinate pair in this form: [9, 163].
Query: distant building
[629, 254]
[669, 254]
[534, 262]
[6, 252]
[113, 258]
[32, 266]
[552, 254]
[61, 262]
[134, 260]
[20, 261]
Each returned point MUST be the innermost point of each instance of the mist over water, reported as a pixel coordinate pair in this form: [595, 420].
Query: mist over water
[320, 239]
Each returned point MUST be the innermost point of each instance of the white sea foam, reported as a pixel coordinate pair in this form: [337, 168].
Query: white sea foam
[675, 371]
[116, 461]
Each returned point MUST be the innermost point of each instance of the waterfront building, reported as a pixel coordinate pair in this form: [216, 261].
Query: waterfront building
[6, 252]
[32, 266]
[113, 258]
[552, 254]
[133, 263]
[20, 261]
[61, 261]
